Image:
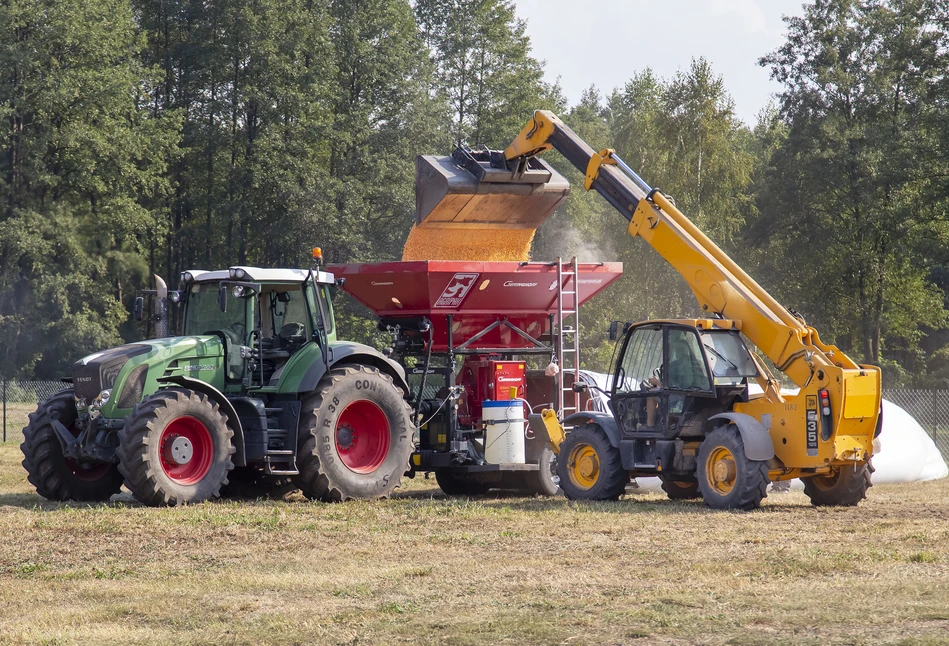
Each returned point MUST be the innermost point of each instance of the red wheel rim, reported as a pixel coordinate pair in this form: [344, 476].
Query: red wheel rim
[87, 472]
[362, 436]
[186, 450]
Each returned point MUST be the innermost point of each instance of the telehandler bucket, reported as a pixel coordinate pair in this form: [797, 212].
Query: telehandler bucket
[474, 189]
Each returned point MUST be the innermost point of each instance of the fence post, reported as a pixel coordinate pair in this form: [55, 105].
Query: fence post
[4, 410]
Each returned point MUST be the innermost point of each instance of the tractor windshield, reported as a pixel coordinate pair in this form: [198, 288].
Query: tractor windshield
[203, 314]
[728, 357]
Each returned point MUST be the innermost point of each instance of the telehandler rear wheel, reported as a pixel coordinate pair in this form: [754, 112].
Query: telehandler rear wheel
[680, 489]
[175, 448]
[590, 468]
[726, 477]
[57, 477]
[355, 436]
[845, 488]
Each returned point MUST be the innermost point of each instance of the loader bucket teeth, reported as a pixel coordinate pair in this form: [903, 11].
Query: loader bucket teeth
[470, 191]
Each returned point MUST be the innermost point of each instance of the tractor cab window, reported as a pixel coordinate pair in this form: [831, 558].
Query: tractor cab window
[686, 362]
[288, 319]
[642, 360]
[203, 315]
[728, 357]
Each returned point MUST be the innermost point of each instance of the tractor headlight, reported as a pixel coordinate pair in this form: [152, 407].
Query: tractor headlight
[236, 273]
[187, 277]
[101, 400]
[174, 297]
[237, 291]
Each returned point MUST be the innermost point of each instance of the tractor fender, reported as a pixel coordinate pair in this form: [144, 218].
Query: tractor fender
[348, 352]
[755, 437]
[234, 421]
[604, 420]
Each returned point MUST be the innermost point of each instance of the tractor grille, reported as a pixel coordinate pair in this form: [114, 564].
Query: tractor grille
[96, 375]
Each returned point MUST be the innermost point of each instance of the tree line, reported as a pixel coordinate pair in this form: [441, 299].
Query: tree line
[153, 136]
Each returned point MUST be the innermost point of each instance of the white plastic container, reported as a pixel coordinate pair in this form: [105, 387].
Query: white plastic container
[504, 437]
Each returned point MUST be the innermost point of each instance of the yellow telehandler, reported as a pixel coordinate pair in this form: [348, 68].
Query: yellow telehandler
[680, 397]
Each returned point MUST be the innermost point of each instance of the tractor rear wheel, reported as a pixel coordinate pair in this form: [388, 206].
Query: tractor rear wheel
[175, 448]
[453, 484]
[589, 467]
[680, 489]
[55, 476]
[251, 483]
[845, 488]
[355, 436]
[727, 479]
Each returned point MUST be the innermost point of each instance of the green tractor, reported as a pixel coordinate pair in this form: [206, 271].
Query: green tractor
[257, 397]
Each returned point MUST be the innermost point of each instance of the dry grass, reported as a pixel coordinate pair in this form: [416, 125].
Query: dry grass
[424, 569]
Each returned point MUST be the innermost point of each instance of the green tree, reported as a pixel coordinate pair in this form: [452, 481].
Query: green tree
[81, 159]
[844, 209]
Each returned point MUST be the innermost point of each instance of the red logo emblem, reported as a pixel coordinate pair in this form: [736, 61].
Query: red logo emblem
[458, 287]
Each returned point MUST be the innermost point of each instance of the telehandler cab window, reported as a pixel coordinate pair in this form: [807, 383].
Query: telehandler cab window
[686, 367]
[728, 357]
[642, 360]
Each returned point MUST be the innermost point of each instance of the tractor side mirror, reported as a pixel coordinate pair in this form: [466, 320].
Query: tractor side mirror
[578, 387]
[138, 308]
[222, 297]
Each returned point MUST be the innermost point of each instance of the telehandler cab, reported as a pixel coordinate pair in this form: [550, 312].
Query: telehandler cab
[682, 409]
[257, 397]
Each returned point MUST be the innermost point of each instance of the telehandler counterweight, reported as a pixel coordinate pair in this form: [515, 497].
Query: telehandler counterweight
[681, 404]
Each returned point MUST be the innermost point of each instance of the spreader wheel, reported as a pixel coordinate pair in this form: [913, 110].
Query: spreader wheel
[355, 436]
[57, 477]
[175, 448]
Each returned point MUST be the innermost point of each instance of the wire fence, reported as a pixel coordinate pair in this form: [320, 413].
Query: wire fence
[19, 400]
[928, 407]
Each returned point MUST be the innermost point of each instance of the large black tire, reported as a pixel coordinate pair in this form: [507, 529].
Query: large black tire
[589, 467]
[252, 483]
[54, 476]
[680, 489]
[175, 448]
[727, 478]
[846, 488]
[453, 484]
[355, 436]
[544, 481]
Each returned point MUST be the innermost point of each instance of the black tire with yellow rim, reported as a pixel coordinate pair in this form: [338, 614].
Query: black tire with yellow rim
[680, 489]
[589, 467]
[844, 488]
[727, 478]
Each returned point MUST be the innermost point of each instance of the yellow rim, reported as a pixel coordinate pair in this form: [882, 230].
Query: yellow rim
[721, 471]
[826, 483]
[583, 466]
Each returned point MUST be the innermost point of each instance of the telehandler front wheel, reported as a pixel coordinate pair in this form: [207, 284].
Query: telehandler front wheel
[590, 468]
[175, 448]
[355, 436]
[726, 477]
[845, 488]
[57, 477]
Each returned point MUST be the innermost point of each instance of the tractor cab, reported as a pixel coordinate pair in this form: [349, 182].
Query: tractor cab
[262, 316]
[671, 376]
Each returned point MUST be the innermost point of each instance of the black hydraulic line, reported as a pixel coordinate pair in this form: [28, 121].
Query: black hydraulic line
[428, 359]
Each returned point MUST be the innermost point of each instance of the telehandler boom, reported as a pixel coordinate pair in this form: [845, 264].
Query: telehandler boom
[680, 397]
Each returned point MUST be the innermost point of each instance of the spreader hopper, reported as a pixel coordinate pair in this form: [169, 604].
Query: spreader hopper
[490, 305]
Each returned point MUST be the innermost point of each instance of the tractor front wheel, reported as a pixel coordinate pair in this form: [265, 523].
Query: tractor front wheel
[589, 467]
[355, 436]
[845, 488]
[55, 476]
[727, 479]
[175, 448]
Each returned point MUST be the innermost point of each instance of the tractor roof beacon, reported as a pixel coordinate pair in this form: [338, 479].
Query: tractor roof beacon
[256, 397]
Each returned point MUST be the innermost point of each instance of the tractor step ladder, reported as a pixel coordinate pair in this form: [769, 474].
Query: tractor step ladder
[568, 336]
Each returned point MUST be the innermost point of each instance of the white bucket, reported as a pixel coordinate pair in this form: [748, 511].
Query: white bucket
[504, 437]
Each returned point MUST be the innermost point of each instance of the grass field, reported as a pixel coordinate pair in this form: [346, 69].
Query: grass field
[424, 569]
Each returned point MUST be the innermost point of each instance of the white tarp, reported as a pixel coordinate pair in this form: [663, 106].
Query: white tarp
[904, 452]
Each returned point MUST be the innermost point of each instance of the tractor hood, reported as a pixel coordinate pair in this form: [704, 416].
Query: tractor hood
[131, 370]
